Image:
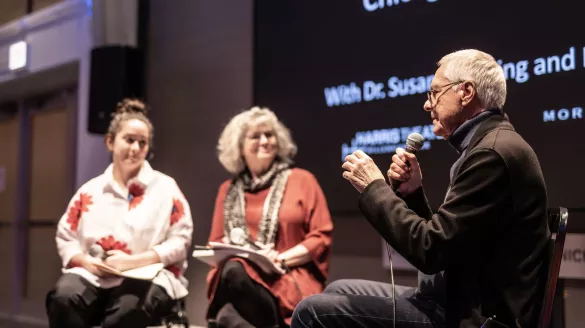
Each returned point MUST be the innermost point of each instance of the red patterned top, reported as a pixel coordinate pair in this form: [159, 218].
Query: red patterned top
[149, 213]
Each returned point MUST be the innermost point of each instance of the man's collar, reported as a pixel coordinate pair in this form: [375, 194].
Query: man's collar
[461, 137]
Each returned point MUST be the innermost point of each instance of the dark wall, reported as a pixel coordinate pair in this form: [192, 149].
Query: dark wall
[199, 75]
[200, 64]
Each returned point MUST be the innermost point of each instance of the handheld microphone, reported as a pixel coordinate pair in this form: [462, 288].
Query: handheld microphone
[414, 143]
[97, 251]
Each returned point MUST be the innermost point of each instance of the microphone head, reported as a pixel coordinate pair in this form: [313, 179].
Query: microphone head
[238, 236]
[414, 142]
[96, 250]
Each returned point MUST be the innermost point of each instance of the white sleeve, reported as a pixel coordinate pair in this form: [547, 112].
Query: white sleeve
[67, 239]
[175, 247]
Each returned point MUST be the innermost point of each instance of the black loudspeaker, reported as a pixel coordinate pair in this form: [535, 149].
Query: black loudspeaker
[117, 72]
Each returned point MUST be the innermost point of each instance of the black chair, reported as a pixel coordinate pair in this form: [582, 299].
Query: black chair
[177, 317]
[558, 218]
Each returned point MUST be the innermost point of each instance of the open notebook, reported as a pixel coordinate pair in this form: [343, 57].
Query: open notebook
[217, 253]
[147, 272]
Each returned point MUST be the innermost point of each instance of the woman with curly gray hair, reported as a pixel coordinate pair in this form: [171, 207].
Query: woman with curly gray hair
[271, 206]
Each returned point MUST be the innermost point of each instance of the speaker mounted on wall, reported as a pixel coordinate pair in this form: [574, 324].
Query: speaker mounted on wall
[116, 73]
[120, 34]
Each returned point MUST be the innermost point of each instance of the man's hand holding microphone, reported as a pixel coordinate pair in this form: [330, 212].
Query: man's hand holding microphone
[404, 173]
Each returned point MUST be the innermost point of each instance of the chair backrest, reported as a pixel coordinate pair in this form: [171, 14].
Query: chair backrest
[557, 220]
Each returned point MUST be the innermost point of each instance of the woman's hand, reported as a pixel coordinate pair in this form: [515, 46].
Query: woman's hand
[89, 264]
[120, 260]
[272, 254]
[268, 251]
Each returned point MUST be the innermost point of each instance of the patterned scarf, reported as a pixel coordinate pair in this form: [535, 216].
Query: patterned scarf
[234, 206]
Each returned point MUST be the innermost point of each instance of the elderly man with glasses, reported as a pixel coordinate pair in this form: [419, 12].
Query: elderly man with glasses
[482, 254]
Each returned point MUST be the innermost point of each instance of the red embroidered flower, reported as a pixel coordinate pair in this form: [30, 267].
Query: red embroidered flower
[76, 210]
[175, 270]
[135, 195]
[109, 243]
[177, 212]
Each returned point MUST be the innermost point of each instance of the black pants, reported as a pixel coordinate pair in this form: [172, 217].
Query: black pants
[361, 303]
[74, 302]
[241, 302]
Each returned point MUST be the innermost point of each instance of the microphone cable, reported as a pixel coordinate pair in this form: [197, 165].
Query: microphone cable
[393, 286]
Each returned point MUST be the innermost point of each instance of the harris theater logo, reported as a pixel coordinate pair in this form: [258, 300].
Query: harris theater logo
[385, 141]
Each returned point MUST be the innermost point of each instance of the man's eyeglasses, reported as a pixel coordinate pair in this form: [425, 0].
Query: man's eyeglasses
[432, 94]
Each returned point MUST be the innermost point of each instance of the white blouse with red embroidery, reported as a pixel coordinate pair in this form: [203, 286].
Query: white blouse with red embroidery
[149, 213]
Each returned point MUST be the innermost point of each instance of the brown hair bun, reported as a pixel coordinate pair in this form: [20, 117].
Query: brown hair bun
[130, 106]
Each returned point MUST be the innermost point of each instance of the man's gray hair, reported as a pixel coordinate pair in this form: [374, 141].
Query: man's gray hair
[229, 146]
[481, 68]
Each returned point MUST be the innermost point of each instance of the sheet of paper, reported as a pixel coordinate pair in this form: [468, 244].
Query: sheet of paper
[143, 273]
[221, 252]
